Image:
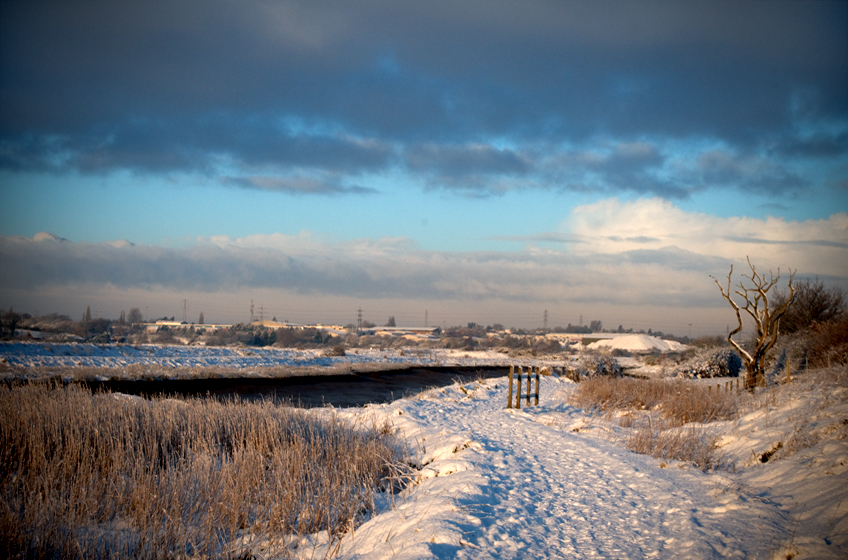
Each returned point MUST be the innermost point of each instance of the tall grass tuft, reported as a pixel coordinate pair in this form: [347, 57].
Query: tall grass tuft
[690, 444]
[657, 413]
[679, 401]
[112, 476]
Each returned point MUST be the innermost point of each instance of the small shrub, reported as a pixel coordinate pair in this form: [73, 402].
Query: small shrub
[690, 444]
[714, 362]
[828, 344]
[599, 365]
[336, 351]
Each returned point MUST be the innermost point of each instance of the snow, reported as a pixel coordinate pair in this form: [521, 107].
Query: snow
[118, 357]
[536, 483]
[638, 343]
[549, 481]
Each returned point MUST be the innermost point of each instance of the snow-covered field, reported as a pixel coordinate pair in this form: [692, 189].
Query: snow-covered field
[118, 356]
[545, 482]
[121, 359]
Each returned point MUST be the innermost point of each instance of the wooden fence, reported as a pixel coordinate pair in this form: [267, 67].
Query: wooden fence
[518, 377]
[516, 374]
[728, 386]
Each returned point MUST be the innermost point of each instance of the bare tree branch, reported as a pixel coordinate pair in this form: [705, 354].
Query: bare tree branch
[766, 320]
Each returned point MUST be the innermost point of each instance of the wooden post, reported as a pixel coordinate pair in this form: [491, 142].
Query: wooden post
[538, 372]
[529, 381]
[509, 391]
[518, 389]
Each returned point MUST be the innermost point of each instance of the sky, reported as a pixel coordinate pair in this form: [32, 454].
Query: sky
[439, 162]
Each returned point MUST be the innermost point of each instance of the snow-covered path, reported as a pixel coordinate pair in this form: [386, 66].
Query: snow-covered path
[506, 484]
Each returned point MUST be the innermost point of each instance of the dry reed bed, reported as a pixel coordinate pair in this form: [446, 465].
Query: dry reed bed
[106, 476]
[665, 417]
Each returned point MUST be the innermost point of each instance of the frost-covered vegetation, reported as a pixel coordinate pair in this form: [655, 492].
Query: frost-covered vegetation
[112, 476]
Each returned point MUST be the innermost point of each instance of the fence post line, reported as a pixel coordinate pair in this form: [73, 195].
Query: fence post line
[518, 388]
[509, 391]
[538, 373]
[529, 381]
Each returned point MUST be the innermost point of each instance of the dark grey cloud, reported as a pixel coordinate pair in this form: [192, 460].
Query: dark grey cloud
[431, 88]
[818, 145]
[296, 185]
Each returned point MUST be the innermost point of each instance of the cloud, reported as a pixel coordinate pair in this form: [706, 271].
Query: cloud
[643, 252]
[613, 226]
[305, 265]
[544, 237]
[468, 97]
[296, 185]
[646, 261]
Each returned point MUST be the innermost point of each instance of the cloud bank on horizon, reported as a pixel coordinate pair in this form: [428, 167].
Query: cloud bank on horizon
[651, 255]
[625, 151]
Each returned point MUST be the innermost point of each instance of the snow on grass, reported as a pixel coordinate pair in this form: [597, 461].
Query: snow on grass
[34, 360]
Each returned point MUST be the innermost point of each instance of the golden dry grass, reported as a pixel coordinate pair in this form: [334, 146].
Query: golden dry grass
[657, 411]
[112, 476]
[679, 401]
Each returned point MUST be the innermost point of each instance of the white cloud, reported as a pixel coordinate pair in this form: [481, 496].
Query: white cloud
[641, 263]
[613, 226]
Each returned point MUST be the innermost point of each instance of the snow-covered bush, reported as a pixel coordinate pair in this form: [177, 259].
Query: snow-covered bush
[713, 362]
[599, 365]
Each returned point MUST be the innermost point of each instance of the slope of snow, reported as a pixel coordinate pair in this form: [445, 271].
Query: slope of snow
[638, 343]
[499, 483]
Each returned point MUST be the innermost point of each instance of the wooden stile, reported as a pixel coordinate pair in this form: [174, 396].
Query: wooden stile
[509, 391]
[518, 389]
[538, 373]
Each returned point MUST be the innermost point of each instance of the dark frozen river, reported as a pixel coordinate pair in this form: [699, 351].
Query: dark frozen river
[337, 390]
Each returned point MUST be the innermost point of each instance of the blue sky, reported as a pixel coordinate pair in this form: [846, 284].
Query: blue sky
[473, 161]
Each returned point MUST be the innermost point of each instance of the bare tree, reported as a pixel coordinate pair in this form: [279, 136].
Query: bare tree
[766, 320]
[135, 316]
[814, 303]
